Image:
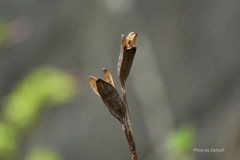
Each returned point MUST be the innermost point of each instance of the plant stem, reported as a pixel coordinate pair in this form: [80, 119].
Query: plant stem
[131, 142]
[127, 127]
[126, 105]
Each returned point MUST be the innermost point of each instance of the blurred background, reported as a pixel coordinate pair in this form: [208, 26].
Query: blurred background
[183, 89]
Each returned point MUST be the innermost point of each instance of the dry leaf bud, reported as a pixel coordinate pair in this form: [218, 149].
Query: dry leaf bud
[126, 56]
[111, 99]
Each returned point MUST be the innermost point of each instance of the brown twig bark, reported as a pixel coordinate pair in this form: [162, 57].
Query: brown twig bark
[131, 142]
[127, 127]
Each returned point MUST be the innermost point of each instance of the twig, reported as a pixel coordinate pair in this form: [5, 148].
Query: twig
[131, 142]
[106, 89]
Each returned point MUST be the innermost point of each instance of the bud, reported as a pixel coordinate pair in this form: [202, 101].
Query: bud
[109, 95]
[111, 99]
[126, 56]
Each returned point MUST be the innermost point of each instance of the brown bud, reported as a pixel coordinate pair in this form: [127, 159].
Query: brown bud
[131, 40]
[108, 77]
[92, 81]
[126, 56]
[111, 99]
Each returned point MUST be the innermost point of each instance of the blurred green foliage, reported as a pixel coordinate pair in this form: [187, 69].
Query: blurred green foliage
[4, 32]
[44, 86]
[42, 153]
[180, 142]
[182, 139]
[8, 140]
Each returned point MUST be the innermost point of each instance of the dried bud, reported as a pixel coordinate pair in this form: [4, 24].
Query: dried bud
[126, 56]
[108, 77]
[111, 99]
[131, 40]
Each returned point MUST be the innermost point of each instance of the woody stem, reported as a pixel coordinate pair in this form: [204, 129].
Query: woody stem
[126, 105]
[128, 128]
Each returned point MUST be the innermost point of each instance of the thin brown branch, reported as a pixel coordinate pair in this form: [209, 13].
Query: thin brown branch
[131, 142]
[127, 127]
[126, 105]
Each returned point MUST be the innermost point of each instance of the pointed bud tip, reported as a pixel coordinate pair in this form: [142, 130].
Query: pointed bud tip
[92, 81]
[92, 77]
[105, 71]
[131, 39]
[132, 33]
[108, 76]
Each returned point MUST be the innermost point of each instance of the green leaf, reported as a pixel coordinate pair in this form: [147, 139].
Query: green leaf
[182, 139]
[8, 144]
[44, 86]
[41, 153]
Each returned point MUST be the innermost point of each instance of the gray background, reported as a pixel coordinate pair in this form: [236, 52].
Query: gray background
[187, 67]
